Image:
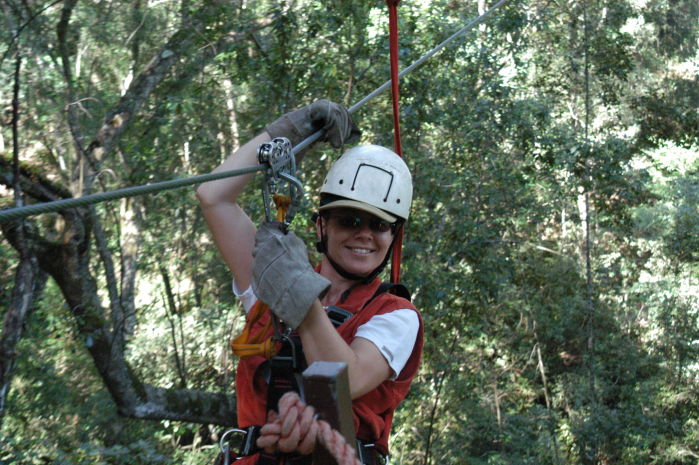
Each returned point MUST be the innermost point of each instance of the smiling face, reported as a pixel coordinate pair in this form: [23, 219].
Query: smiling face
[356, 240]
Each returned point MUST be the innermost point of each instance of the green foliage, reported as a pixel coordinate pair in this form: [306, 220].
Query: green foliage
[539, 110]
[683, 241]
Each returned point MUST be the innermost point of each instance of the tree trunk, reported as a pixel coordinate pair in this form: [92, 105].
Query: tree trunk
[29, 282]
[67, 259]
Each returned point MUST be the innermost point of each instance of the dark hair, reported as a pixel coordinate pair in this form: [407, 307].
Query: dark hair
[327, 198]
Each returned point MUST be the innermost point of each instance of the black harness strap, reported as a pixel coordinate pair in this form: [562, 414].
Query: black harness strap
[284, 459]
[285, 370]
[396, 289]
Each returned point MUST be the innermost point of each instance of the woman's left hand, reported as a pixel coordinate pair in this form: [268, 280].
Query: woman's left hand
[282, 277]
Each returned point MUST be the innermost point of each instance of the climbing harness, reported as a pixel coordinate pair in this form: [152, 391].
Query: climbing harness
[245, 345]
[282, 370]
[63, 204]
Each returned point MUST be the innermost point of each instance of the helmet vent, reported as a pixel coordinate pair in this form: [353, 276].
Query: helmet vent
[390, 174]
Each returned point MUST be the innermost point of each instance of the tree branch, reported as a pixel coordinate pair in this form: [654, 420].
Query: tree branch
[122, 115]
[32, 182]
[67, 258]
[196, 65]
[67, 262]
[131, 221]
[28, 279]
[179, 363]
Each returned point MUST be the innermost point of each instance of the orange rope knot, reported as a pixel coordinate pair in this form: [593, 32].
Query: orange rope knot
[295, 428]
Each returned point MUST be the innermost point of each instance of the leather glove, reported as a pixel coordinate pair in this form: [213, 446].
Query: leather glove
[282, 277]
[321, 114]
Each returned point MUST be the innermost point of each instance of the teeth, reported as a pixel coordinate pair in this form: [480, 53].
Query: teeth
[365, 251]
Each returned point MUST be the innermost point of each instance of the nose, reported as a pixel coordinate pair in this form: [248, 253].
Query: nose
[364, 229]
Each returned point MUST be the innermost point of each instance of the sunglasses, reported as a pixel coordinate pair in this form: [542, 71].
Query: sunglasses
[354, 221]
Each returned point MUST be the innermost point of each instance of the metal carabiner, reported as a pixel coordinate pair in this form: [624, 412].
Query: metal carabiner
[223, 445]
[281, 333]
[287, 337]
[277, 156]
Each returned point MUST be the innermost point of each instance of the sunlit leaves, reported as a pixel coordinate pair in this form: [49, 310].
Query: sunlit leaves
[505, 136]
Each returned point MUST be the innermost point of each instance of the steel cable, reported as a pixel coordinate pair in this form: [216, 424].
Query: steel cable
[63, 204]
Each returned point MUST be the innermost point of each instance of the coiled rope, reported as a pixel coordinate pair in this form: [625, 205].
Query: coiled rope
[296, 429]
[63, 204]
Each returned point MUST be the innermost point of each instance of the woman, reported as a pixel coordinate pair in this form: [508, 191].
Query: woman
[365, 200]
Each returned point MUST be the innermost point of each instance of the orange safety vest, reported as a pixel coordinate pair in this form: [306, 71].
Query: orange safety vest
[373, 412]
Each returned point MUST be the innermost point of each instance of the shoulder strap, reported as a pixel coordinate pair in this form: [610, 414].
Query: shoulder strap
[396, 289]
[338, 316]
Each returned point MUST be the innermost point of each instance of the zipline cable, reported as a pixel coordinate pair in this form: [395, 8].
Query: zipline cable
[314, 137]
[57, 205]
[63, 204]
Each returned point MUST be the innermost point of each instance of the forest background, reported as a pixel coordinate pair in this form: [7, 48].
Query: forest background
[553, 245]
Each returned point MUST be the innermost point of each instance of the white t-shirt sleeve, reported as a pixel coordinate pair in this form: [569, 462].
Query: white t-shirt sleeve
[247, 297]
[394, 334]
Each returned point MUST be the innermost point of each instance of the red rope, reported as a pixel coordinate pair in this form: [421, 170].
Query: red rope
[295, 428]
[398, 148]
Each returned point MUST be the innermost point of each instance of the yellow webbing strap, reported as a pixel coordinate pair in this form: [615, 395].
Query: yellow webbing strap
[245, 345]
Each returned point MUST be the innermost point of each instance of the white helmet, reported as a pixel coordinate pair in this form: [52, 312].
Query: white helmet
[373, 179]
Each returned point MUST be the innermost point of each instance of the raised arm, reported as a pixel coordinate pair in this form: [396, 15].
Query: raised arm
[232, 229]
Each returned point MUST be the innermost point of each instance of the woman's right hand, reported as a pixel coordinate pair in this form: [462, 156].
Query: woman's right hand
[322, 114]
